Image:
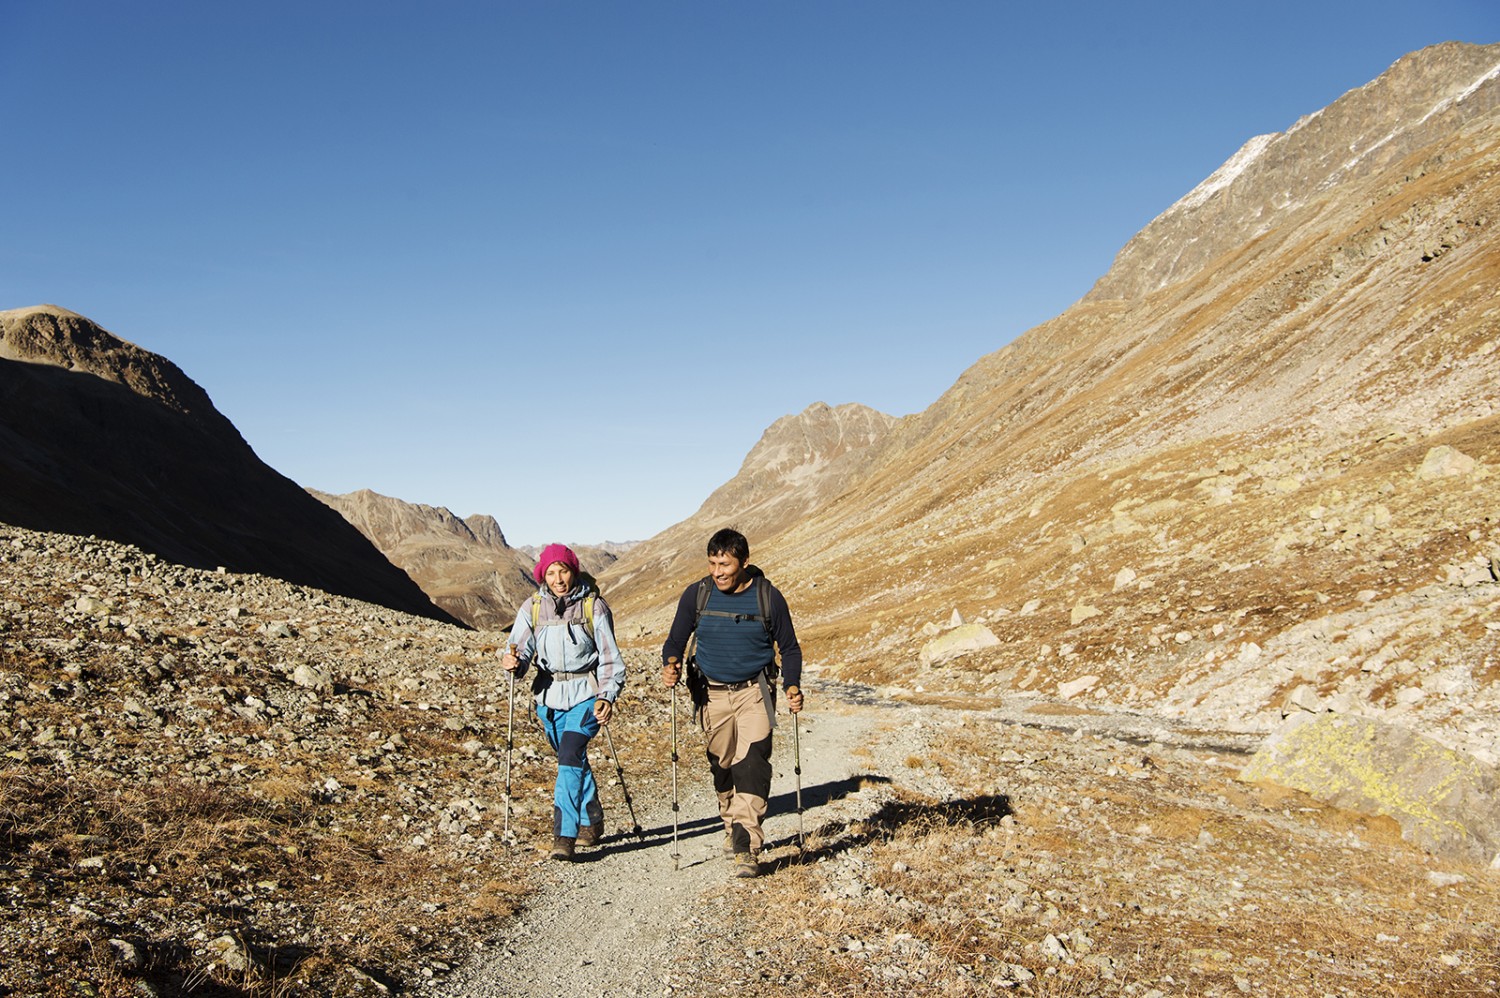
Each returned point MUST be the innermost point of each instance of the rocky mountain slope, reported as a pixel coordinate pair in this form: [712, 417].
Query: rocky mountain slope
[222, 784]
[464, 565]
[1251, 473]
[800, 463]
[98, 436]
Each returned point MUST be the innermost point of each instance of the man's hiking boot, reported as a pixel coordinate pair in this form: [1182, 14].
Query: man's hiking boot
[589, 835]
[729, 843]
[746, 865]
[562, 848]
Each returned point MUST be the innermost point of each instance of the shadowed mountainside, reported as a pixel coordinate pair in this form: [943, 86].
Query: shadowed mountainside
[98, 436]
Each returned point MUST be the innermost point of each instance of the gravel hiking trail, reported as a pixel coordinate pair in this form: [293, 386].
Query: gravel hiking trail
[626, 918]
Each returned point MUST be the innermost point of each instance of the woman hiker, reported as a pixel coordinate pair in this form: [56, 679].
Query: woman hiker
[567, 631]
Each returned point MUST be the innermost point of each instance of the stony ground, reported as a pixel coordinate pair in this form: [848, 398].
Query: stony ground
[224, 785]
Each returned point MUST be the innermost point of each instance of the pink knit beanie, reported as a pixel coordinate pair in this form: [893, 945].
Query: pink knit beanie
[551, 553]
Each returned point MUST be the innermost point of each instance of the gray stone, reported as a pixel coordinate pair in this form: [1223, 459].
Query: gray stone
[312, 677]
[1445, 800]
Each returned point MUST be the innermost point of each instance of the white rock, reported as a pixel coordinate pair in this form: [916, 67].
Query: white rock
[1074, 687]
[1306, 698]
[1083, 612]
[957, 642]
[1443, 461]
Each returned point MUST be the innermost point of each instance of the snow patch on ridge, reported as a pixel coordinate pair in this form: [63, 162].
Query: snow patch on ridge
[1438, 108]
[1226, 174]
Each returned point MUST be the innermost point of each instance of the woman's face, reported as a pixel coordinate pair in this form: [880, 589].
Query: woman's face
[559, 578]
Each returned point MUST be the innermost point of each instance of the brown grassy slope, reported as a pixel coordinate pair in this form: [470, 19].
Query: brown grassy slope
[1066, 865]
[1245, 440]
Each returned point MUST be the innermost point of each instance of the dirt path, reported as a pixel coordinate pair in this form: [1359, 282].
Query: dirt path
[618, 921]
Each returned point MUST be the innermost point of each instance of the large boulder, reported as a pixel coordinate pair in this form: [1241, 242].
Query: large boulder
[958, 642]
[1445, 800]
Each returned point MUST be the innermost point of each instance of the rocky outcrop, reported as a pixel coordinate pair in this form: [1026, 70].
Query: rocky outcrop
[465, 566]
[98, 436]
[1445, 801]
[799, 464]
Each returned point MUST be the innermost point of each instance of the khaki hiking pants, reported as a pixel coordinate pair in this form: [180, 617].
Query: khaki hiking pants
[738, 733]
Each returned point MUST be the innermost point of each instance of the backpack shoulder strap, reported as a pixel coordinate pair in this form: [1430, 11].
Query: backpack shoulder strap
[588, 612]
[763, 600]
[702, 600]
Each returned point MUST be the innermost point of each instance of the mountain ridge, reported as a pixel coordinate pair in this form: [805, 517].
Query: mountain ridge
[102, 437]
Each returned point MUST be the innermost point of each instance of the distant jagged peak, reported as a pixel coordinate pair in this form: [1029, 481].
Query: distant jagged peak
[55, 336]
[487, 530]
[1435, 91]
[817, 434]
[390, 521]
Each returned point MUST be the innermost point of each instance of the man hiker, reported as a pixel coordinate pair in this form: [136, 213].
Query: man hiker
[741, 622]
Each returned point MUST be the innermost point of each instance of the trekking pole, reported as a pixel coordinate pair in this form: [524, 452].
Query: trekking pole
[510, 744]
[797, 768]
[676, 856]
[624, 792]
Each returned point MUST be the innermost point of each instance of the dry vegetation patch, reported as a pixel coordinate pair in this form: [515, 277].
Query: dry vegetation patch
[1077, 865]
[224, 785]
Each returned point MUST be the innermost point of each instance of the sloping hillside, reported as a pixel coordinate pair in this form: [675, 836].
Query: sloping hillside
[799, 464]
[1222, 481]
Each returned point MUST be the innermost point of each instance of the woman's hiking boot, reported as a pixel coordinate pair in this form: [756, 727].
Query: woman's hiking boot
[589, 835]
[562, 848]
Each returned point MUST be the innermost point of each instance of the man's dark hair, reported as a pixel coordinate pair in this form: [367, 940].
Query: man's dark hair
[731, 542]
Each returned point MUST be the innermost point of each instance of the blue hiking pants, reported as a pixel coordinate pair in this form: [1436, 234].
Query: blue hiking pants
[575, 798]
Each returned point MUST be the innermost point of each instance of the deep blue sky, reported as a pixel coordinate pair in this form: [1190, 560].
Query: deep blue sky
[564, 262]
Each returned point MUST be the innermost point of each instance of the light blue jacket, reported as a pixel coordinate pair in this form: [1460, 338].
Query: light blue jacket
[571, 666]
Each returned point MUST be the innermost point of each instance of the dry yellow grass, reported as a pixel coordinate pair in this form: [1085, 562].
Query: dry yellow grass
[1186, 883]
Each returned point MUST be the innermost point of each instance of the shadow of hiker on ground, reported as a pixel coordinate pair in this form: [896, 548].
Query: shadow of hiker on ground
[622, 839]
[822, 793]
[833, 838]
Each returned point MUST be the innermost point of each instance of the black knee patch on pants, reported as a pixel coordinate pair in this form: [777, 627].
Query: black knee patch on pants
[723, 778]
[752, 774]
[571, 752]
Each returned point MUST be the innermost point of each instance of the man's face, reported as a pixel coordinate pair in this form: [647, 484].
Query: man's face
[725, 570]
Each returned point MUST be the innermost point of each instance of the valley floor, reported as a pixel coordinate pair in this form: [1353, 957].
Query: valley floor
[963, 851]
